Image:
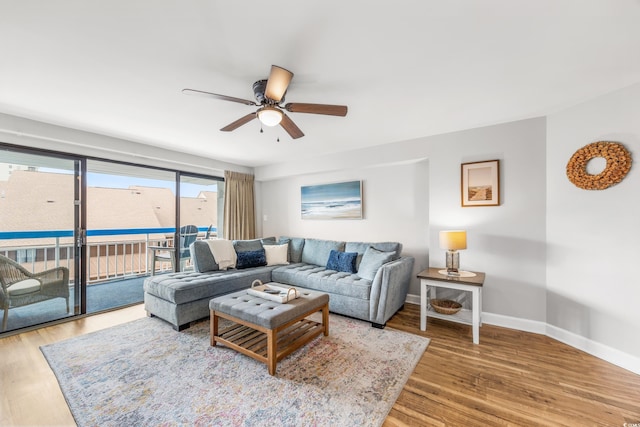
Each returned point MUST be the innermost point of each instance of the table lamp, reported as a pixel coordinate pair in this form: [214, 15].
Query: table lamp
[453, 241]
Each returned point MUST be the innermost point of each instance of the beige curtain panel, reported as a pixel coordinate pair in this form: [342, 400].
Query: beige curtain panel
[239, 206]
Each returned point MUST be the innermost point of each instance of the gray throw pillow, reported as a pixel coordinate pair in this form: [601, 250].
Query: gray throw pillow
[361, 248]
[295, 247]
[371, 262]
[202, 257]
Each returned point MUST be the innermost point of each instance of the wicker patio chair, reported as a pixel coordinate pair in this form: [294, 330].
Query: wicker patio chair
[21, 287]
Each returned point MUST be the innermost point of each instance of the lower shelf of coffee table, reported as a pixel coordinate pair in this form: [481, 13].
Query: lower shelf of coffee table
[254, 343]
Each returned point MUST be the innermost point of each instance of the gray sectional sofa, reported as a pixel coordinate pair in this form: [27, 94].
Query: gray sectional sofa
[367, 281]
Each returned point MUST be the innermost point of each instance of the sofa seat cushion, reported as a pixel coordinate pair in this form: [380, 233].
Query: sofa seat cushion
[25, 287]
[180, 288]
[320, 279]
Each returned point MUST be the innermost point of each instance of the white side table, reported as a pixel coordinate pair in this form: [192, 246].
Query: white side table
[431, 279]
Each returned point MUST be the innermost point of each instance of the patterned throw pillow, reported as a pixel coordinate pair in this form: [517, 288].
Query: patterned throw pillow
[342, 261]
[249, 259]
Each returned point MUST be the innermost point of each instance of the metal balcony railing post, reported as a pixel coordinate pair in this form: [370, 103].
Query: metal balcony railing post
[146, 256]
[57, 252]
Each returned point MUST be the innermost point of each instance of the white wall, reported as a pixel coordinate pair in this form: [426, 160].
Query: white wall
[395, 199]
[593, 285]
[410, 200]
[507, 242]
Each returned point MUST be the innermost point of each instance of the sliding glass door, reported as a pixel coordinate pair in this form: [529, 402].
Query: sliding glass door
[80, 235]
[201, 207]
[131, 211]
[39, 220]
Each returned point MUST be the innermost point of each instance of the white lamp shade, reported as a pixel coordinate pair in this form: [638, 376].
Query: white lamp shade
[453, 239]
[270, 116]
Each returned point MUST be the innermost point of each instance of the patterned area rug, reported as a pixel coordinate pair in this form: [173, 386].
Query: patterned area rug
[144, 373]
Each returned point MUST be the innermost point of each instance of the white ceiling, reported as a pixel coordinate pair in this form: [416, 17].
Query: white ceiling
[406, 69]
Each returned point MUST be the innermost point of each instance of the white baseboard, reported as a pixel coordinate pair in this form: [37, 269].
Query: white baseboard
[413, 299]
[510, 322]
[601, 351]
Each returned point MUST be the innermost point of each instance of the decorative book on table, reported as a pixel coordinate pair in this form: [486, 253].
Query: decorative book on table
[273, 291]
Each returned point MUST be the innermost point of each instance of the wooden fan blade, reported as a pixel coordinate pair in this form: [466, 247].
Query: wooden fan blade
[329, 110]
[291, 128]
[278, 82]
[217, 96]
[241, 121]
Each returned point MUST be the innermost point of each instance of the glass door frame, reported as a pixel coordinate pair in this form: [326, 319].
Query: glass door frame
[79, 169]
[176, 237]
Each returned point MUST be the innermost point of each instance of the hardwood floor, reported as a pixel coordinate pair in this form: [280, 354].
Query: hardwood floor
[30, 395]
[511, 378]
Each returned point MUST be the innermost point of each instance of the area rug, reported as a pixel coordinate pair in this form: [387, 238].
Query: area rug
[144, 373]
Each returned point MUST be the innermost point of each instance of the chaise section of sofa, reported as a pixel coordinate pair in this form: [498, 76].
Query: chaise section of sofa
[181, 298]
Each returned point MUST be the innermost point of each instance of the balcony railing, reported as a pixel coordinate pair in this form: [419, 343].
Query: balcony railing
[122, 256]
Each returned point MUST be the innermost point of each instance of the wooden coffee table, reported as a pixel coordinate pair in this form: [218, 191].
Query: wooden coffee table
[265, 330]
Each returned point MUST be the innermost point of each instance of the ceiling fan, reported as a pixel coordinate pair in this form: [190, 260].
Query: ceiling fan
[270, 96]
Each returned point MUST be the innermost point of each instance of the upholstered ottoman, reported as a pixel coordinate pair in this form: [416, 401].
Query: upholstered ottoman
[265, 330]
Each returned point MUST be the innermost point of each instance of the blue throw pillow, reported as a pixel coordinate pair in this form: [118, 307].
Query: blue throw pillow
[342, 261]
[249, 259]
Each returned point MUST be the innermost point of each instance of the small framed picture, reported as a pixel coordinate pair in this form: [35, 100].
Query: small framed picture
[481, 183]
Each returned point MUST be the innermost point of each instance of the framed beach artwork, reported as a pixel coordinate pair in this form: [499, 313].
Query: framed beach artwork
[342, 200]
[481, 183]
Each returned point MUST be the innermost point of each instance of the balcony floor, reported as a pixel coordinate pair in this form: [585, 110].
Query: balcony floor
[100, 297]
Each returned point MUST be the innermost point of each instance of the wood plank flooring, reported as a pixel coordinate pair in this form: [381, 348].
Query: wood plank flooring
[29, 392]
[511, 378]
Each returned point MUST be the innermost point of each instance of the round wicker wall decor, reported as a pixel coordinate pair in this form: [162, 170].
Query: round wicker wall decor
[618, 165]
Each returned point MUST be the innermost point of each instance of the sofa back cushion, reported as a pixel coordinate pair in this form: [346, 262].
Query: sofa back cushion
[253, 244]
[269, 240]
[317, 251]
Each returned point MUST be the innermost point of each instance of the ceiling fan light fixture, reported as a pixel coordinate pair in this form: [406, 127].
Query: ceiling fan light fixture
[277, 83]
[270, 116]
